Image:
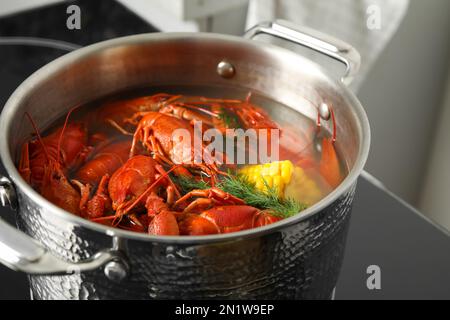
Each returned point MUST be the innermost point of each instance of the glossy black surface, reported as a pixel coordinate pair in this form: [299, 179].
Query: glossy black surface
[100, 20]
[411, 252]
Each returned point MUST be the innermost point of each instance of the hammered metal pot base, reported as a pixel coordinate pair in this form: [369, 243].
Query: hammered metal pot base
[301, 262]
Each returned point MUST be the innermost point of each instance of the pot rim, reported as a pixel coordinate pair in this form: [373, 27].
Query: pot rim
[56, 65]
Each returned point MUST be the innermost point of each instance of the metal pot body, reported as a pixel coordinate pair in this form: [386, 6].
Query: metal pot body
[297, 258]
[301, 261]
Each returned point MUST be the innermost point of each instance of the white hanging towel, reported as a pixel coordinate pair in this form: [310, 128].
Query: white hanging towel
[368, 25]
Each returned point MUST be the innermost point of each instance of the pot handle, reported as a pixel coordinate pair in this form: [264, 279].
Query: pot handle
[312, 39]
[20, 252]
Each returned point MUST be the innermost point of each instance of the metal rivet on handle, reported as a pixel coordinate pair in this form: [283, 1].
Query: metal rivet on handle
[324, 111]
[225, 69]
[116, 271]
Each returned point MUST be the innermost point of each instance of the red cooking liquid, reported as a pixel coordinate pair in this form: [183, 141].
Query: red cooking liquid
[145, 197]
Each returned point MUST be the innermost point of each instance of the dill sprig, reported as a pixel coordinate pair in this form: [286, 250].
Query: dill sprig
[239, 186]
[187, 184]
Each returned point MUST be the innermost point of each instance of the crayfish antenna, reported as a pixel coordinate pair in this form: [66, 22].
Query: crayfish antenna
[205, 100]
[66, 121]
[203, 110]
[164, 172]
[249, 96]
[171, 100]
[85, 191]
[24, 163]
[117, 126]
[319, 122]
[333, 122]
[121, 212]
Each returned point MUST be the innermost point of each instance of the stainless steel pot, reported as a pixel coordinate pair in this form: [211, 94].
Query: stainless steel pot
[68, 257]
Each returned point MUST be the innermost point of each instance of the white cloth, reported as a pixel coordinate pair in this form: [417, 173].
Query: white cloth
[344, 19]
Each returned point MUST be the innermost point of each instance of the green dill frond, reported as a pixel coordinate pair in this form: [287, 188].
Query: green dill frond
[187, 184]
[239, 186]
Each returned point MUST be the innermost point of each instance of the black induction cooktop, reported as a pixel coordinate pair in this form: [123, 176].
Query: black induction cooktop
[411, 252]
[30, 39]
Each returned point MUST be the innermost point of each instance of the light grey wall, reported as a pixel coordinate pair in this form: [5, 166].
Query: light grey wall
[403, 95]
[435, 200]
